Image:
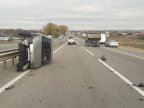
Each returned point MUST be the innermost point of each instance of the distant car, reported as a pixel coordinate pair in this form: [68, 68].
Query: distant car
[50, 37]
[60, 38]
[71, 41]
[111, 43]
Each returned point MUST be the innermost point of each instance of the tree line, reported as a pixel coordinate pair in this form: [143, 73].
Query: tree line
[55, 30]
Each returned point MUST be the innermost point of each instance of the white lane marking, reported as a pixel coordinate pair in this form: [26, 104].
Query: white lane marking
[13, 81]
[22, 75]
[125, 53]
[88, 51]
[58, 48]
[123, 78]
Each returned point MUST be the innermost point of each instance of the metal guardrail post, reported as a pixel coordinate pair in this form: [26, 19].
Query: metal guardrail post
[8, 55]
[13, 61]
[5, 64]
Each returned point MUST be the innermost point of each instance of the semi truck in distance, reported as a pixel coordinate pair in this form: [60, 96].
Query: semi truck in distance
[92, 40]
[103, 39]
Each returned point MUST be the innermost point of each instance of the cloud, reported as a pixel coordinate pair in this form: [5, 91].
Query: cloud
[77, 14]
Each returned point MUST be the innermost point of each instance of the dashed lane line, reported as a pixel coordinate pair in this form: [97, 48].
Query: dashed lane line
[123, 78]
[88, 51]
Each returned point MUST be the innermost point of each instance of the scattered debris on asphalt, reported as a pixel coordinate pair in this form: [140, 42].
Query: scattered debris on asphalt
[90, 87]
[141, 99]
[106, 94]
[31, 75]
[82, 86]
[103, 58]
[10, 87]
[139, 85]
[40, 101]
[62, 67]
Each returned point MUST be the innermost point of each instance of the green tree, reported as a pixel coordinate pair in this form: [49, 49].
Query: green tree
[55, 30]
[63, 29]
[51, 29]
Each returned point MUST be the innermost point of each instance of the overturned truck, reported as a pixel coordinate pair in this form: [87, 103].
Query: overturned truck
[34, 51]
[92, 40]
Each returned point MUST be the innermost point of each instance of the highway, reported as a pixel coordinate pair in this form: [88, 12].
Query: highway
[78, 78]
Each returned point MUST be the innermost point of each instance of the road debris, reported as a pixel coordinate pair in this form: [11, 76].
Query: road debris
[10, 87]
[40, 101]
[141, 99]
[103, 58]
[82, 86]
[63, 66]
[90, 87]
[31, 75]
[139, 85]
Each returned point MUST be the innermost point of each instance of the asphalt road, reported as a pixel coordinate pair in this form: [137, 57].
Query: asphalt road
[77, 78]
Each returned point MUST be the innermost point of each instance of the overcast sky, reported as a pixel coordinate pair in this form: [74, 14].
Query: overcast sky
[76, 14]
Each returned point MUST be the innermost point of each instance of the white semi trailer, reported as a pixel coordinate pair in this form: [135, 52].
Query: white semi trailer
[103, 39]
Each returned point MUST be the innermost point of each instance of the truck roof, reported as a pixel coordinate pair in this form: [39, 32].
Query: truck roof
[93, 36]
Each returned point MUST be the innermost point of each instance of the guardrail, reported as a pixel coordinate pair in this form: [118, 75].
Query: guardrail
[7, 55]
[12, 54]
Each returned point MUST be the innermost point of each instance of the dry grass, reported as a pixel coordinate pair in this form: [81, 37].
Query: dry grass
[8, 42]
[130, 42]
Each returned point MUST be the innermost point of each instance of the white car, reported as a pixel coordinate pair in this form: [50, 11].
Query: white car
[49, 36]
[111, 43]
[71, 40]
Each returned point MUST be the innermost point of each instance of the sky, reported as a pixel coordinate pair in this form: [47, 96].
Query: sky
[76, 14]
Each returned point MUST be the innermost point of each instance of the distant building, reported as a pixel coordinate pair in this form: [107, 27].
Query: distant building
[5, 38]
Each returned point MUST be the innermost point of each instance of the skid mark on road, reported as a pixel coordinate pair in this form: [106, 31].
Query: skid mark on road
[123, 78]
[125, 53]
[22, 75]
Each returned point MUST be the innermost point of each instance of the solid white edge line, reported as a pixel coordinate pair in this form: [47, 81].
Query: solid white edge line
[125, 53]
[123, 78]
[13, 81]
[88, 51]
[2, 89]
